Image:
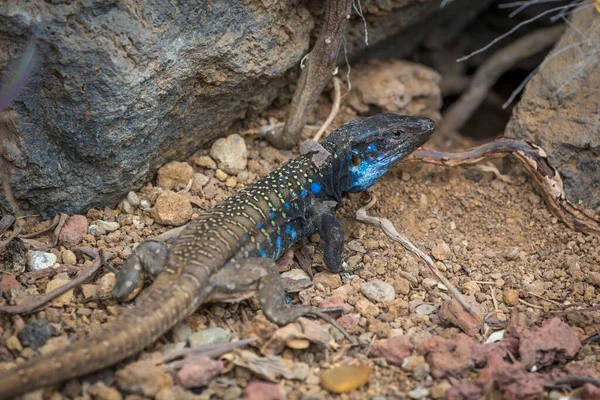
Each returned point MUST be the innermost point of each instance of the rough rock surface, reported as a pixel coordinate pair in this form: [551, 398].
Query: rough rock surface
[121, 88]
[560, 110]
[396, 86]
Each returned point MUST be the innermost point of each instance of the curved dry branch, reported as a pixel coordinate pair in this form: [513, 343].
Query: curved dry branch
[534, 159]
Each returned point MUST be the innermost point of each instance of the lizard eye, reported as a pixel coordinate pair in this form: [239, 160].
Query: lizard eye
[398, 132]
[355, 160]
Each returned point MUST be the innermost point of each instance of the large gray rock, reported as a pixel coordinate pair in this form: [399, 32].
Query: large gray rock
[123, 87]
[560, 109]
[120, 88]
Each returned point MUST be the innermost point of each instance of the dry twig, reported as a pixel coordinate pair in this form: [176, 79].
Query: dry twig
[213, 350]
[337, 98]
[54, 224]
[534, 160]
[389, 229]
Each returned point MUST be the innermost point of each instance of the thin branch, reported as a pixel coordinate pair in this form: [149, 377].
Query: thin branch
[388, 228]
[534, 160]
[515, 28]
[334, 109]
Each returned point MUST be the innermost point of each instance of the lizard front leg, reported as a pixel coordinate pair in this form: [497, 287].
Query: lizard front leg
[332, 234]
[149, 257]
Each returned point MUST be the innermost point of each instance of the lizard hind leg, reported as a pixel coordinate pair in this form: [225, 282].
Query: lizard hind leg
[264, 273]
[149, 257]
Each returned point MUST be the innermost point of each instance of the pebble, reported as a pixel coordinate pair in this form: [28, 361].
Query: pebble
[96, 230]
[328, 279]
[230, 153]
[144, 377]
[511, 297]
[300, 371]
[36, 333]
[423, 202]
[439, 391]
[378, 291]
[498, 185]
[402, 285]
[133, 199]
[126, 207]
[593, 278]
[166, 394]
[231, 182]
[335, 301]
[232, 393]
[54, 344]
[74, 230]
[209, 336]
[99, 391]
[221, 175]
[511, 254]
[345, 377]
[145, 204]
[471, 286]
[534, 198]
[295, 274]
[441, 252]
[272, 155]
[181, 332]
[89, 290]
[418, 393]
[366, 308]
[205, 162]
[425, 309]
[258, 390]
[172, 209]
[8, 282]
[174, 176]
[200, 180]
[37, 260]
[68, 257]
[394, 350]
[199, 372]
[451, 312]
[106, 283]
[58, 281]
[348, 321]
[107, 226]
[13, 344]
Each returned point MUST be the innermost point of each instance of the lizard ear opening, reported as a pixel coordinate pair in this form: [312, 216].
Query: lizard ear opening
[355, 160]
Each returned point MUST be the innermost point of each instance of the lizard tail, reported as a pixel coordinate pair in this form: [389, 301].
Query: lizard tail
[157, 310]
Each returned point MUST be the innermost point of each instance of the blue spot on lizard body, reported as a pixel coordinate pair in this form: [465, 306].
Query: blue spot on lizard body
[315, 187]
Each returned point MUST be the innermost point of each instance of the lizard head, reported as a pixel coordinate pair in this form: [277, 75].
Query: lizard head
[379, 142]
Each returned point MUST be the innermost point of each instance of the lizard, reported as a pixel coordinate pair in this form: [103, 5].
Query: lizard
[233, 246]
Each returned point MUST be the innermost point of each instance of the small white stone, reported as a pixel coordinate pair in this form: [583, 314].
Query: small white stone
[378, 291]
[107, 225]
[418, 393]
[133, 199]
[37, 260]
